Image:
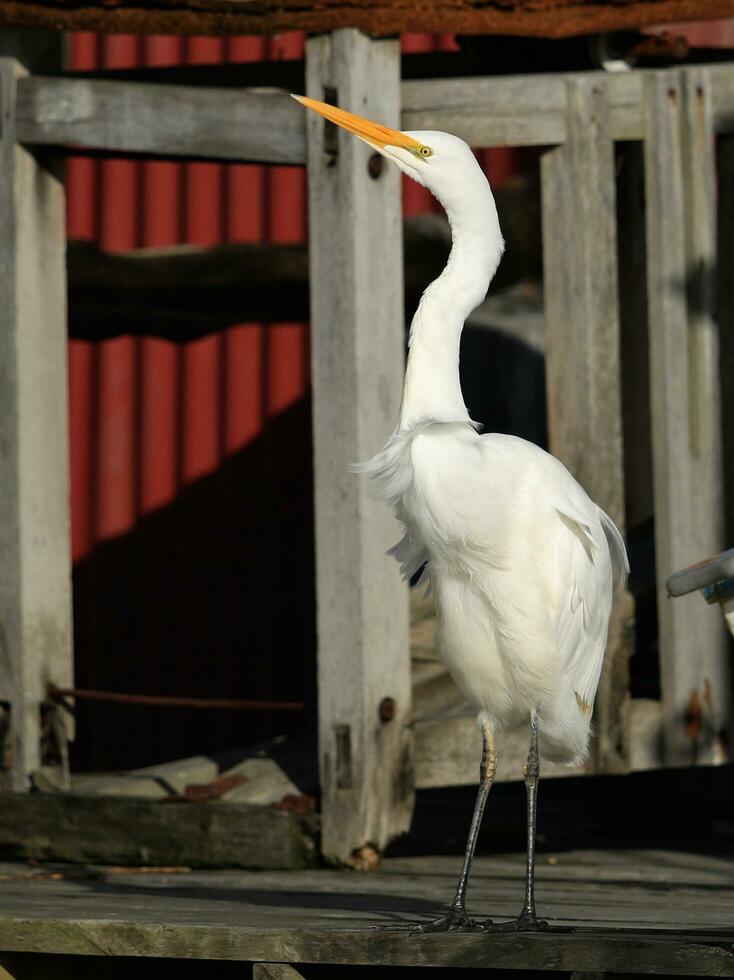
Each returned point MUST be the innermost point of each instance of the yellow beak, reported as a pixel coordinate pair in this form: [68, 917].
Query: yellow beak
[371, 132]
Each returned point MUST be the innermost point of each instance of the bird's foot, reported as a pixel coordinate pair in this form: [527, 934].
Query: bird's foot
[455, 920]
[525, 922]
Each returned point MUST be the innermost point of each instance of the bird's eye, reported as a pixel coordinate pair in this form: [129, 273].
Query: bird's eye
[425, 151]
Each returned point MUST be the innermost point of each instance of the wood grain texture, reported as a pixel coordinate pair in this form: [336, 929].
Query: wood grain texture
[515, 110]
[684, 388]
[116, 830]
[357, 333]
[261, 126]
[543, 18]
[583, 353]
[275, 971]
[725, 307]
[448, 751]
[329, 917]
[35, 572]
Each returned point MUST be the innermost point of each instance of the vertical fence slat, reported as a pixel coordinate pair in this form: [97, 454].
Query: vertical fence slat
[725, 316]
[35, 571]
[685, 405]
[582, 359]
[357, 346]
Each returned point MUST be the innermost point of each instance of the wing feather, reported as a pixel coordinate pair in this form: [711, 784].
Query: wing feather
[590, 554]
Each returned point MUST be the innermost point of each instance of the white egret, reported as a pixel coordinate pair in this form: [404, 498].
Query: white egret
[521, 561]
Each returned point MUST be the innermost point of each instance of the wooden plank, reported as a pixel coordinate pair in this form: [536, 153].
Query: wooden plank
[275, 971]
[582, 351]
[35, 572]
[544, 18]
[357, 333]
[725, 306]
[446, 748]
[263, 126]
[447, 753]
[614, 951]
[517, 110]
[685, 405]
[117, 830]
[325, 916]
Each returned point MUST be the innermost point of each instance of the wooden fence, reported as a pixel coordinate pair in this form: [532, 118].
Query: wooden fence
[636, 287]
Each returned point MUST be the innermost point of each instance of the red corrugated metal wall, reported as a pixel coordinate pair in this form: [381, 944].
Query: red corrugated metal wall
[191, 465]
[191, 478]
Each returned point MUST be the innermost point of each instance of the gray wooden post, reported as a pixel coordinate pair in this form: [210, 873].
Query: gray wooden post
[685, 406]
[357, 344]
[582, 349]
[725, 310]
[35, 571]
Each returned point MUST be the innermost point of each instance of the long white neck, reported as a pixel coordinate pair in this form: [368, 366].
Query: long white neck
[432, 390]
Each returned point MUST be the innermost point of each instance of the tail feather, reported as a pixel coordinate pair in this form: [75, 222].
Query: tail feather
[617, 550]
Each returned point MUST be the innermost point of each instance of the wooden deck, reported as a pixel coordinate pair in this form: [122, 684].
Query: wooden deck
[632, 911]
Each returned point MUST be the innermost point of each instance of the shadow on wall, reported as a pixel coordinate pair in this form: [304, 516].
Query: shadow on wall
[211, 596]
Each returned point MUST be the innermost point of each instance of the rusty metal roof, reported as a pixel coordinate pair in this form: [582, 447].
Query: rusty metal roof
[538, 18]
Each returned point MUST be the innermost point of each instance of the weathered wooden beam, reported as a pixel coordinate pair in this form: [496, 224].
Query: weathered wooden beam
[684, 388]
[448, 751]
[545, 18]
[357, 333]
[188, 120]
[725, 317]
[128, 933]
[174, 120]
[120, 830]
[35, 571]
[582, 349]
[515, 110]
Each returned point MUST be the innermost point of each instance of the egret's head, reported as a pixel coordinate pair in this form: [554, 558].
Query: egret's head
[439, 161]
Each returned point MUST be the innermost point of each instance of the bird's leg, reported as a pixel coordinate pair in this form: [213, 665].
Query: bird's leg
[528, 920]
[456, 918]
[532, 775]
[487, 772]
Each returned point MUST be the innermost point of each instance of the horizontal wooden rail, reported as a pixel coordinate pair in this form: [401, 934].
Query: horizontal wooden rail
[262, 126]
[265, 126]
[514, 110]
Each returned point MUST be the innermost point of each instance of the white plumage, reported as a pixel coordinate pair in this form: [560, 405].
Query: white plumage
[520, 561]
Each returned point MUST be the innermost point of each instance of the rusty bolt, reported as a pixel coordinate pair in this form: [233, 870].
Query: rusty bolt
[387, 709]
[374, 166]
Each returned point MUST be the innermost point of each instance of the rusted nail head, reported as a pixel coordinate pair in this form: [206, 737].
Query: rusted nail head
[374, 166]
[387, 709]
